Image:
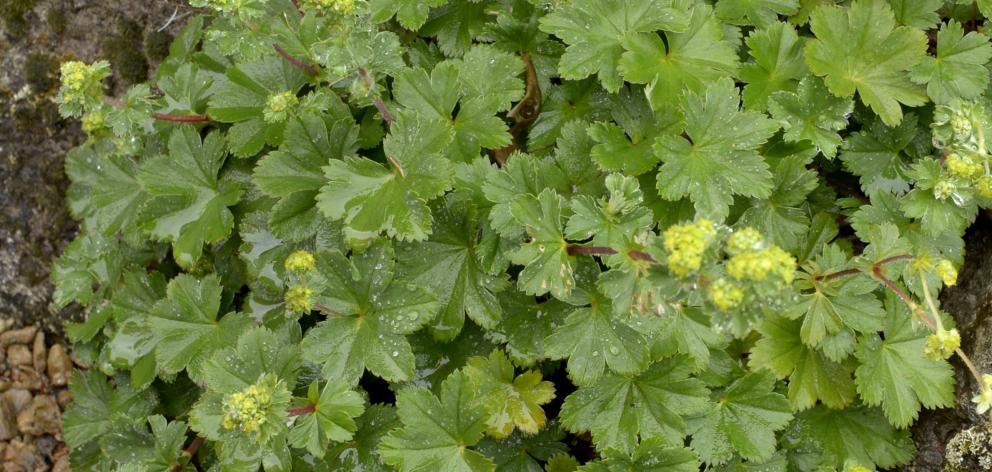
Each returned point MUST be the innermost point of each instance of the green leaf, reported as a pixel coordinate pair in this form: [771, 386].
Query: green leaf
[861, 49]
[608, 221]
[99, 408]
[437, 431]
[627, 147]
[619, 409]
[811, 113]
[812, 376]
[186, 328]
[895, 372]
[369, 313]
[859, 435]
[595, 31]
[920, 14]
[370, 198]
[293, 173]
[241, 100]
[449, 265]
[651, 455]
[689, 58]
[526, 325]
[718, 158]
[743, 419]
[361, 453]
[523, 452]
[259, 358]
[510, 402]
[958, 70]
[456, 25]
[778, 64]
[936, 216]
[411, 14]
[878, 155]
[548, 265]
[522, 175]
[835, 304]
[760, 13]
[782, 217]
[593, 338]
[193, 210]
[570, 102]
[332, 419]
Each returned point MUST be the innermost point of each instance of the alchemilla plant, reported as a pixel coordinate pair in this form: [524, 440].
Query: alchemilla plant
[477, 235]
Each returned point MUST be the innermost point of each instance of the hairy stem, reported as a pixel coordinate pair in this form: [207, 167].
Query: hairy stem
[302, 410]
[376, 99]
[181, 118]
[311, 70]
[188, 453]
[846, 272]
[575, 249]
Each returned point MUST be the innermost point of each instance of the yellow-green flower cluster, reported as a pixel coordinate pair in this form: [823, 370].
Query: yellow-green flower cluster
[947, 273]
[983, 401]
[851, 467]
[984, 187]
[93, 122]
[941, 345]
[299, 299]
[336, 6]
[685, 245]
[758, 265]
[963, 166]
[300, 262]
[743, 240]
[725, 294]
[81, 85]
[944, 189]
[278, 105]
[246, 411]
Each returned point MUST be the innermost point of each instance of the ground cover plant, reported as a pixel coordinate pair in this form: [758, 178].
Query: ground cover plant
[596, 235]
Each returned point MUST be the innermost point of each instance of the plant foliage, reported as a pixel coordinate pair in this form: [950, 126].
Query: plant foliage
[517, 235]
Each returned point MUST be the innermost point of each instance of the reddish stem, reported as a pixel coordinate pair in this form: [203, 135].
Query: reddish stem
[575, 249]
[302, 410]
[181, 118]
[842, 273]
[188, 452]
[296, 62]
[376, 100]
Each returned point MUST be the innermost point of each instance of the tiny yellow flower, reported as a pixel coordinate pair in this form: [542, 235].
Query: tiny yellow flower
[757, 265]
[961, 125]
[299, 299]
[983, 401]
[943, 189]
[947, 273]
[300, 261]
[245, 411]
[745, 239]
[941, 345]
[963, 167]
[685, 245]
[277, 106]
[339, 6]
[922, 263]
[725, 295]
[984, 187]
[93, 122]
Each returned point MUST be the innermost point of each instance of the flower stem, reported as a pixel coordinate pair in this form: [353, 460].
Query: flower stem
[302, 410]
[181, 118]
[311, 70]
[188, 453]
[376, 99]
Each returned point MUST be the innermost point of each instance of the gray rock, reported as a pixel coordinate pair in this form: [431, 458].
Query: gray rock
[41, 417]
[19, 355]
[59, 366]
